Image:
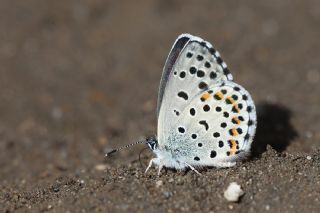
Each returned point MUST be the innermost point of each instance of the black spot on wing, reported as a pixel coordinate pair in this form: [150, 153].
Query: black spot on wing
[247, 136]
[226, 71]
[200, 73]
[219, 60]
[202, 85]
[216, 134]
[192, 111]
[207, 64]
[183, 95]
[206, 108]
[213, 75]
[176, 112]
[224, 91]
[223, 125]
[192, 70]
[199, 57]
[182, 74]
[213, 154]
[205, 124]
[181, 130]
[212, 51]
[236, 88]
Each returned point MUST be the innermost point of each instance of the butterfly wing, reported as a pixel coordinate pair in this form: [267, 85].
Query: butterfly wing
[192, 66]
[219, 125]
[200, 55]
[193, 77]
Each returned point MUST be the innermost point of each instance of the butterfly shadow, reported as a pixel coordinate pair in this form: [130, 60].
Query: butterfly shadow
[274, 129]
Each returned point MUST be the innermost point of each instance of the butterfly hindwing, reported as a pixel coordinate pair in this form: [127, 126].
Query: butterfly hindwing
[217, 125]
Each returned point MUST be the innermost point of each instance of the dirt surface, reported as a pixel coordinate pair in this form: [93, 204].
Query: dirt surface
[78, 78]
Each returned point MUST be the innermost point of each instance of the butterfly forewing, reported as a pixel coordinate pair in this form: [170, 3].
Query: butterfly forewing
[193, 66]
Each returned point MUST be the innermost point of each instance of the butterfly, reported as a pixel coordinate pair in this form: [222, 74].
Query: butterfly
[205, 119]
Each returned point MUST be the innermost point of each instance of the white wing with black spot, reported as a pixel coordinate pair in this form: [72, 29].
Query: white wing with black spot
[217, 126]
[192, 66]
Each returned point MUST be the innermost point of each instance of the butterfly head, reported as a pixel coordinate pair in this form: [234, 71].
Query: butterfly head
[152, 142]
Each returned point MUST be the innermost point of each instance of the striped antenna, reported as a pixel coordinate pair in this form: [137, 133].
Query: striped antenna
[124, 147]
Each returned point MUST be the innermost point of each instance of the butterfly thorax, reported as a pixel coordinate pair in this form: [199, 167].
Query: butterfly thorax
[170, 153]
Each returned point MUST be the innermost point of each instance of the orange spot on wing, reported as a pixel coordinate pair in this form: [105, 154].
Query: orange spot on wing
[230, 100]
[218, 95]
[236, 119]
[233, 146]
[234, 132]
[236, 107]
[205, 96]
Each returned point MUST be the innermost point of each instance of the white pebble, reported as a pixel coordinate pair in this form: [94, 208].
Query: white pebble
[267, 207]
[233, 192]
[308, 157]
[159, 183]
[101, 167]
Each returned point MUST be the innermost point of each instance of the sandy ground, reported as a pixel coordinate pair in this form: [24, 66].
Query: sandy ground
[78, 78]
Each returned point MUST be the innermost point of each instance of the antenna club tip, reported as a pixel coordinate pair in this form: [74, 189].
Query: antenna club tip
[109, 153]
[123, 147]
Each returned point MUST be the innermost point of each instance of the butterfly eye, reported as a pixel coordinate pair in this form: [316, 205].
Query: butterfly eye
[153, 144]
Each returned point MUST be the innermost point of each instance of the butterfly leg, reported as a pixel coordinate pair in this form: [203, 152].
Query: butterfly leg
[193, 169]
[150, 164]
[159, 169]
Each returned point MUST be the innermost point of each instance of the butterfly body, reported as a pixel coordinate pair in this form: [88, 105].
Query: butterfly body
[204, 118]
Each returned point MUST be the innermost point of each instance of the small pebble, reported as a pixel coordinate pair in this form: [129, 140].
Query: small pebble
[167, 194]
[309, 157]
[101, 167]
[233, 192]
[159, 183]
[81, 182]
[267, 207]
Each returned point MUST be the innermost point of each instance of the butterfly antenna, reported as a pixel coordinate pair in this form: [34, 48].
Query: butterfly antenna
[123, 147]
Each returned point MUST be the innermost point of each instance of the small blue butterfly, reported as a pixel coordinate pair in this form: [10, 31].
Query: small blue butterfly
[204, 118]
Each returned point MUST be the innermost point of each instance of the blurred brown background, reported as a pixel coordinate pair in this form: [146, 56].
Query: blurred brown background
[80, 77]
